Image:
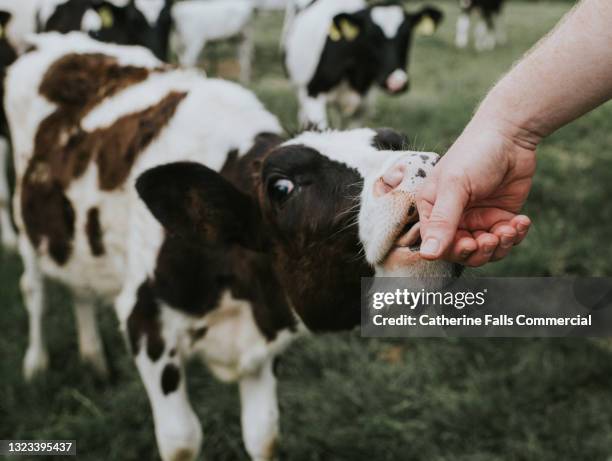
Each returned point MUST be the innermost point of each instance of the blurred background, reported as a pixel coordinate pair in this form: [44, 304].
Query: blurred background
[343, 397]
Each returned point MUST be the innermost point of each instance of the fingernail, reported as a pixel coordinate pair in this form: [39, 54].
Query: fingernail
[506, 242]
[430, 247]
[522, 227]
[488, 251]
[465, 254]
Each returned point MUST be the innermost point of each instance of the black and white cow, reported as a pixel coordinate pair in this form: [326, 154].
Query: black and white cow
[489, 30]
[233, 240]
[336, 50]
[198, 22]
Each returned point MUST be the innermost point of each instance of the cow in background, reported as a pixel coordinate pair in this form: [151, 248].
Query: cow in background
[337, 50]
[8, 54]
[198, 22]
[488, 32]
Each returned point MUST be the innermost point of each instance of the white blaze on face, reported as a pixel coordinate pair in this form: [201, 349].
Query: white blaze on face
[91, 21]
[388, 18]
[151, 9]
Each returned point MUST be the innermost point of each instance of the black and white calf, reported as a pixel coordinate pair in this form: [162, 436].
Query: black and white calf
[176, 196]
[198, 22]
[489, 30]
[336, 50]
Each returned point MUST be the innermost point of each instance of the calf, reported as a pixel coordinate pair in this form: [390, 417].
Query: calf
[488, 32]
[128, 22]
[336, 50]
[198, 22]
[232, 242]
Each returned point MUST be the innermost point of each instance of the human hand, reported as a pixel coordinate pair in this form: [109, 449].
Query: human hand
[469, 205]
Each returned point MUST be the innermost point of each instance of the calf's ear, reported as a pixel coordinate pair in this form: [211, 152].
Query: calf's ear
[427, 20]
[197, 203]
[346, 26]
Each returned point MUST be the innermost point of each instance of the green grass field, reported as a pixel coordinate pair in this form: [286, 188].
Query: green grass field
[347, 398]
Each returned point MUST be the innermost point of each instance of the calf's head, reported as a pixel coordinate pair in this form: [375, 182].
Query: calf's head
[328, 209]
[381, 36]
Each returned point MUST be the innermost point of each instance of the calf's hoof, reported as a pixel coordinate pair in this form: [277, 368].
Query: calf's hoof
[35, 362]
[180, 447]
[8, 240]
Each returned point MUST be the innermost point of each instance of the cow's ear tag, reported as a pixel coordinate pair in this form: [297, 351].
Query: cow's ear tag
[107, 18]
[426, 26]
[349, 31]
[1, 32]
[334, 33]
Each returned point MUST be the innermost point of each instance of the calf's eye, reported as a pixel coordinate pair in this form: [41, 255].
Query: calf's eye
[280, 189]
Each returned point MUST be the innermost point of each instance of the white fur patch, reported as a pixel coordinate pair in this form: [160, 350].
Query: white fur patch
[119, 3]
[388, 18]
[91, 21]
[150, 9]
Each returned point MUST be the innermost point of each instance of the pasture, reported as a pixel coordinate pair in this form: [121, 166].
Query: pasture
[347, 398]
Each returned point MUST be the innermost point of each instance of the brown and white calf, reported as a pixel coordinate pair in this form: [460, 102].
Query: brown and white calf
[175, 196]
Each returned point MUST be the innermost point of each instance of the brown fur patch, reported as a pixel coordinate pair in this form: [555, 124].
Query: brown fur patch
[63, 150]
[94, 232]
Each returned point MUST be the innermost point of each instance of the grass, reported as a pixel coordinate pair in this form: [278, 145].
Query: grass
[347, 398]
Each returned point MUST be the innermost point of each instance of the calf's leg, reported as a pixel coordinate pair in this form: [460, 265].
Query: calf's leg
[463, 30]
[313, 110]
[91, 349]
[245, 54]
[154, 337]
[36, 358]
[260, 413]
[7, 233]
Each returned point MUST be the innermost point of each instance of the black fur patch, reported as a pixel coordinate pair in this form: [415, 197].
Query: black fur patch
[144, 322]
[170, 379]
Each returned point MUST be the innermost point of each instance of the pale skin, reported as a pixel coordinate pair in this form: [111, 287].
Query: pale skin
[469, 207]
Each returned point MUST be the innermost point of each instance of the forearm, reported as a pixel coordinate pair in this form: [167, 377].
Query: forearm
[564, 76]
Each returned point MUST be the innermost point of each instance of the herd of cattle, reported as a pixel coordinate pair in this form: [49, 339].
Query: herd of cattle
[178, 198]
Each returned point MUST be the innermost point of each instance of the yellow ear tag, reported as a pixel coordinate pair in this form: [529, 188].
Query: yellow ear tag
[107, 18]
[1, 32]
[426, 26]
[349, 31]
[334, 33]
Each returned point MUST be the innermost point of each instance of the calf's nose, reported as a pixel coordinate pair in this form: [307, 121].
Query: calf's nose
[398, 81]
[406, 174]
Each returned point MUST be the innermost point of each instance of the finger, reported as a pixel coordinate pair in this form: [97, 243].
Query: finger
[439, 228]
[487, 244]
[507, 235]
[522, 224]
[463, 247]
[484, 218]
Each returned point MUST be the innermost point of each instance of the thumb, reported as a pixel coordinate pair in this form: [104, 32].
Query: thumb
[441, 215]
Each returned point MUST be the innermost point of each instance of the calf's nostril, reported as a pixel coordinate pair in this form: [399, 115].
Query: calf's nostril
[394, 176]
